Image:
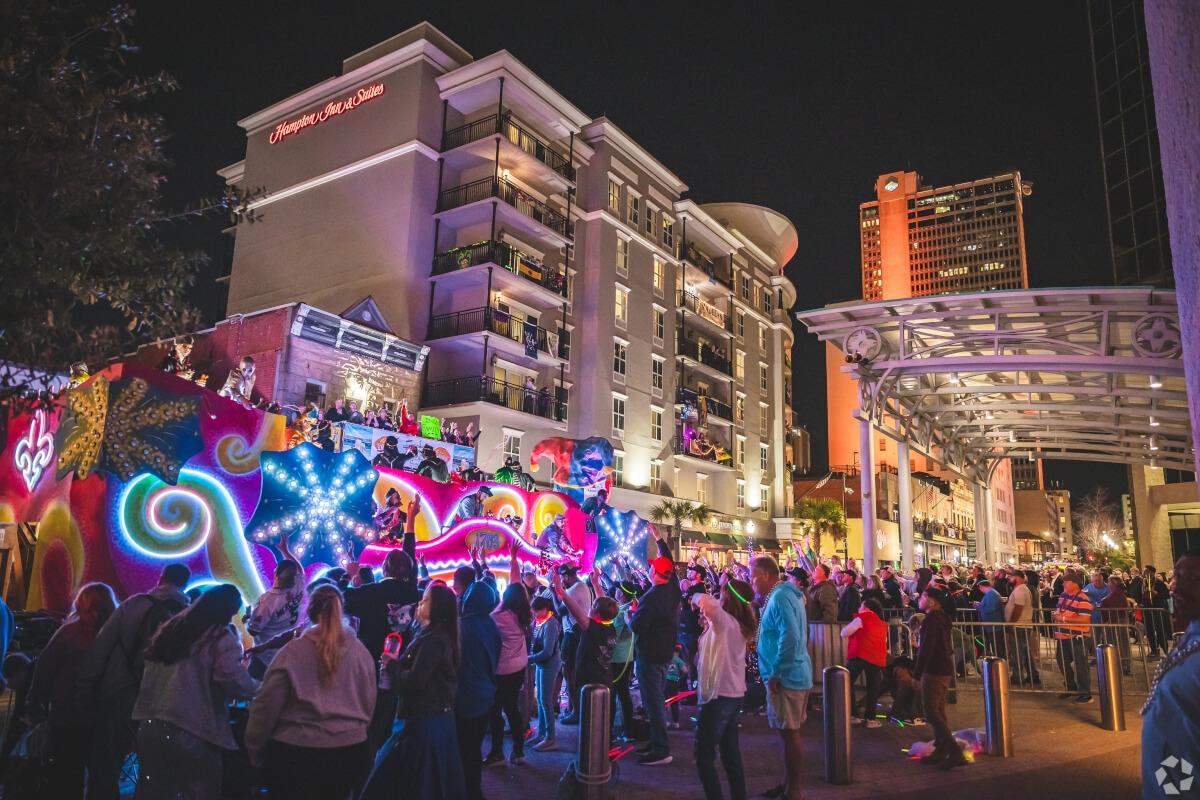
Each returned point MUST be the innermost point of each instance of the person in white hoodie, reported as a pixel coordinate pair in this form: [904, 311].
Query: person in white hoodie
[513, 618]
[308, 723]
[721, 667]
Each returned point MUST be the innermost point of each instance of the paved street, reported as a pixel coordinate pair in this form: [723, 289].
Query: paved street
[1060, 752]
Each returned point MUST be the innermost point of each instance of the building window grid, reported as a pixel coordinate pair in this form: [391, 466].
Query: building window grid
[701, 488]
[656, 373]
[618, 468]
[618, 416]
[741, 495]
[512, 447]
[659, 276]
[763, 377]
[762, 457]
[622, 256]
[633, 204]
[621, 305]
[656, 424]
[656, 476]
[660, 325]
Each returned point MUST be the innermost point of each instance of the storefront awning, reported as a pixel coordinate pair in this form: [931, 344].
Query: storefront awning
[722, 539]
[692, 537]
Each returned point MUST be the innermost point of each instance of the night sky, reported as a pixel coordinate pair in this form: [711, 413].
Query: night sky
[792, 108]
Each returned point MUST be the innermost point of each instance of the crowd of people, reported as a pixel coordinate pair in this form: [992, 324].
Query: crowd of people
[357, 684]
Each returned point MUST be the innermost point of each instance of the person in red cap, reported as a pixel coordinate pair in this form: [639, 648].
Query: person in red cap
[654, 621]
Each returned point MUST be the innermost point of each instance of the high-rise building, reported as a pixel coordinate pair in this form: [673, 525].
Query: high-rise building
[918, 240]
[1027, 475]
[564, 282]
[1133, 180]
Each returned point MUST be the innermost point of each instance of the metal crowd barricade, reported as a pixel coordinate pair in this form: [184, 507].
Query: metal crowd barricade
[1035, 657]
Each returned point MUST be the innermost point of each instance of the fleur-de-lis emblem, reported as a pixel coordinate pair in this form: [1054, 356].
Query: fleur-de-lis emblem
[34, 450]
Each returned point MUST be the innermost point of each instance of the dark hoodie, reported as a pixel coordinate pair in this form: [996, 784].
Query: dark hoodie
[655, 623]
[479, 641]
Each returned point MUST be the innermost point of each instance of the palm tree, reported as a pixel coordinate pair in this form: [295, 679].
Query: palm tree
[678, 512]
[821, 514]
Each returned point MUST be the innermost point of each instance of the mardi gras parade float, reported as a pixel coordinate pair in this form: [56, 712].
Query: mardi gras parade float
[135, 467]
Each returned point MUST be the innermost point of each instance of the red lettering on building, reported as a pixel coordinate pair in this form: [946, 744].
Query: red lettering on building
[332, 109]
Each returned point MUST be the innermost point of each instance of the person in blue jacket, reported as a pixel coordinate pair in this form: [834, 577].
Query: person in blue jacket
[784, 664]
[480, 643]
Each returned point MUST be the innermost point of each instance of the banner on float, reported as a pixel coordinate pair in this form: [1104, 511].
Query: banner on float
[369, 442]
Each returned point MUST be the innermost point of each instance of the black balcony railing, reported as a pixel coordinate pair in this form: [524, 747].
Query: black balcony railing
[690, 301]
[708, 266]
[526, 203]
[541, 403]
[504, 125]
[502, 255]
[711, 405]
[703, 352]
[705, 449]
[492, 320]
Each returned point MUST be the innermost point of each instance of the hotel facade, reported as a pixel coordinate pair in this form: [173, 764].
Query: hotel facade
[562, 280]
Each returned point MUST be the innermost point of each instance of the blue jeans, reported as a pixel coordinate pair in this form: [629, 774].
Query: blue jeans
[653, 681]
[718, 727]
[547, 700]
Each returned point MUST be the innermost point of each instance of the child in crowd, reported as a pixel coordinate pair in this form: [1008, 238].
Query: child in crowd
[677, 673]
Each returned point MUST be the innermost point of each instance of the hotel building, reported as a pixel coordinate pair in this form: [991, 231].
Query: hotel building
[562, 279]
[918, 240]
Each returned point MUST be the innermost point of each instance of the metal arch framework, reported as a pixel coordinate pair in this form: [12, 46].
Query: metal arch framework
[1092, 374]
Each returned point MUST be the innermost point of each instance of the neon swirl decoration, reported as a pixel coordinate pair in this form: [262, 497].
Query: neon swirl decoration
[167, 522]
[34, 451]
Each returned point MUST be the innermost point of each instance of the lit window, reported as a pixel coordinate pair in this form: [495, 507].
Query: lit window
[739, 408]
[739, 453]
[634, 204]
[614, 196]
[701, 488]
[618, 415]
[656, 476]
[763, 413]
[762, 338]
[656, 420]
[656, 373]
[622, 256]
[512, 446]
[741, 495]
[764, 502]
[739, 369]
[659, 276]
[619, 358]
[762, 457]
[621, 301]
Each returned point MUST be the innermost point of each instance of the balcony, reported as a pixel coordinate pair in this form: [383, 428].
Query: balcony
[711, 453]
[491, 320]
[711, 408]
[505, 256]
[525, 203]
[709, 316]
[703, 354]
[458, 391]
[513, 133]
[706, 266]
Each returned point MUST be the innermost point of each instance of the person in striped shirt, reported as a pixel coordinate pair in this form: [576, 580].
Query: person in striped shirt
[1073, 619]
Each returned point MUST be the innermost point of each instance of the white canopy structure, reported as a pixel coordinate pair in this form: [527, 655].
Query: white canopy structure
[1085, 374]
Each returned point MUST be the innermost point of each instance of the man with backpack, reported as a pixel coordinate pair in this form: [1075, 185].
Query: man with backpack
[111, 675]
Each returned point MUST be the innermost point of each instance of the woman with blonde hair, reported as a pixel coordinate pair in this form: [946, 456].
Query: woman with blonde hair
[721, 661]
[308, 722]
[52, 694]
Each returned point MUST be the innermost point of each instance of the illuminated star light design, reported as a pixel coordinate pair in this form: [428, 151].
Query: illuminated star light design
[327, 503]
[620, 535]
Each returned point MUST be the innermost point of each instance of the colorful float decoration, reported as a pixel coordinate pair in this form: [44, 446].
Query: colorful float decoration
[136, 468]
